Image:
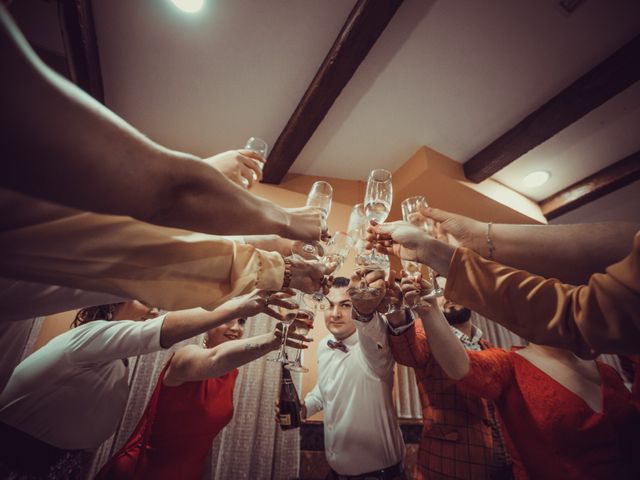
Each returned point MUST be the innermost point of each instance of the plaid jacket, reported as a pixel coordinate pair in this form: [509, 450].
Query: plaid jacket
[457, 438]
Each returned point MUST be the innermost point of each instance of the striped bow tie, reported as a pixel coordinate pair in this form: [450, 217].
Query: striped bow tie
[333, 345]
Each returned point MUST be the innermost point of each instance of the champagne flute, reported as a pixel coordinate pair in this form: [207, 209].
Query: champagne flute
[411, 213]
[302, 327]
[377, 201]
[288, 317]
[257, 145]
[320, 197]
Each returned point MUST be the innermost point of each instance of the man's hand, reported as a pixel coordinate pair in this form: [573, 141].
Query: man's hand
[303, 411]
[309, 277]
[258, 301]
[243, 167]
[392, 297]
[374, 281]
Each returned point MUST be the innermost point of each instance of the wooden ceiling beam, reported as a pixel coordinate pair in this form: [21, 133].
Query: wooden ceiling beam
[81, 45]
[593, 187]
[594, 88]
[363, 27]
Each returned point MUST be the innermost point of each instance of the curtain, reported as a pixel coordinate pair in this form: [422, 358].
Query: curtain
[251, 446]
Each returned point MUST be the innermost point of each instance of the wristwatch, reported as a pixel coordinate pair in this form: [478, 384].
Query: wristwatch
[288, 272]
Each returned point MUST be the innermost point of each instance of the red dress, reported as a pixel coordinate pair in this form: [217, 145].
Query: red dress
[174, 435]
[551, 432]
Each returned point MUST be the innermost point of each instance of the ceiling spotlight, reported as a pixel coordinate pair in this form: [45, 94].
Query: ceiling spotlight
[189, 6]
[537, 178]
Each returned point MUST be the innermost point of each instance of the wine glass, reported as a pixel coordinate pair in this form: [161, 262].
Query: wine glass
[288, 317]
[411, 213]
[335, 252]
[257, 145]
[302, 327]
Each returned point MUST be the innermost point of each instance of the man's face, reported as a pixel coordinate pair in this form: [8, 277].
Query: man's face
[337, 317]
[454, 313]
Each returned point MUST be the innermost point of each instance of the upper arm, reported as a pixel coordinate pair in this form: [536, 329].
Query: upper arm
[103, 340]
[189, 364]
[489, 372]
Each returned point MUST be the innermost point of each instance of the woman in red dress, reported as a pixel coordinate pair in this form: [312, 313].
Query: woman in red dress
[193, 401]
[563, 417]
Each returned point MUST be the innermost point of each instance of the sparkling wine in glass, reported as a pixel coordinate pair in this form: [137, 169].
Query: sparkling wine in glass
[411, 214]
[320, 197]
[377, 201]
[259, 146]
[302, 327]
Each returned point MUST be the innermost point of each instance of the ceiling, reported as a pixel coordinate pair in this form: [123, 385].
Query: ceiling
[450, 74]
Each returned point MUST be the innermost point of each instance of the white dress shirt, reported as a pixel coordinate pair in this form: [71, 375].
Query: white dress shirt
[72, 392]
[361, 430]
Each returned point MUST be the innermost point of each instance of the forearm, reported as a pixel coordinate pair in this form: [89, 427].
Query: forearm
[52, 129]
[445, 347]
[183, 324]
[234, 354]
[571, 253]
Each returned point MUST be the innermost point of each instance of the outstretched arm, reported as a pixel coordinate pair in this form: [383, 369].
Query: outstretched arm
[570, 253]
[53, 130]
[193, 363]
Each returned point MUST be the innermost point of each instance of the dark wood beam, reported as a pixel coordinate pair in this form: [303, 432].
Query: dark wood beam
[603, 82]
[365, 24]
[81, 45]
[593, 187]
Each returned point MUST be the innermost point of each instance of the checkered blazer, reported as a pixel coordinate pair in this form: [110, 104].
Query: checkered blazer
[457, 439]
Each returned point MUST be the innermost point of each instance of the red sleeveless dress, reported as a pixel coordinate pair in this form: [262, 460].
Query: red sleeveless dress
[174, 435]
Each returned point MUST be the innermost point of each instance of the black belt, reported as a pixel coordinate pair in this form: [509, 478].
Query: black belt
[388, 473]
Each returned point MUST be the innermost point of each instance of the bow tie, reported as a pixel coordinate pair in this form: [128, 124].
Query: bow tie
[333, 345]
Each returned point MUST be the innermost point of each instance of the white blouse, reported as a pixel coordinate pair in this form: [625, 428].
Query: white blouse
[72, 392]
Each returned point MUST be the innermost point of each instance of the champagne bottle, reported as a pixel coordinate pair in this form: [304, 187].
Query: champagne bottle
[289, 411]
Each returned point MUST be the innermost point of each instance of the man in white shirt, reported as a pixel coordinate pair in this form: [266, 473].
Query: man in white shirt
[355, 380]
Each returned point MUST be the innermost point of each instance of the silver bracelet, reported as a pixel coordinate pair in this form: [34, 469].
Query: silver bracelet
[490, 245]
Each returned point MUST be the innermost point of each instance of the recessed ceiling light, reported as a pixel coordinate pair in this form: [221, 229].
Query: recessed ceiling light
[537, 178]
[189, 6]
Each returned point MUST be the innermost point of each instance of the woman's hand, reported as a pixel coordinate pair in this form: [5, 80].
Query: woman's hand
[401, 239]
[258, 301]
[305, 223]
[294, 340]
[465, 231]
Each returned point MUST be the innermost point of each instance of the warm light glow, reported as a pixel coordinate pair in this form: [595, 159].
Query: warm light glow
[537, 178]
[189, 6]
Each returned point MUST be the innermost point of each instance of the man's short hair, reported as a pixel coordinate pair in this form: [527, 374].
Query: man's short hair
[340, 282]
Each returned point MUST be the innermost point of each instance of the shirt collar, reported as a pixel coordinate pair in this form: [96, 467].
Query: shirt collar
[471, 343]
[350, 341]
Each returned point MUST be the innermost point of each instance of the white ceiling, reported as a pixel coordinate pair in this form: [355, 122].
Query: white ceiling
[450, 74]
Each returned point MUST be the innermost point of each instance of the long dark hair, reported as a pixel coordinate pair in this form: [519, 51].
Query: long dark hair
[98, 312]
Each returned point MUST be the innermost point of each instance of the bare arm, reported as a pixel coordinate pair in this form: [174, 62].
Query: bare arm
[193, 363]
[571, 253]
[185, 324]
[52, 129]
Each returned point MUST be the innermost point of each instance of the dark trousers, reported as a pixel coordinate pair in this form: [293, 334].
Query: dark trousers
[395, 472]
